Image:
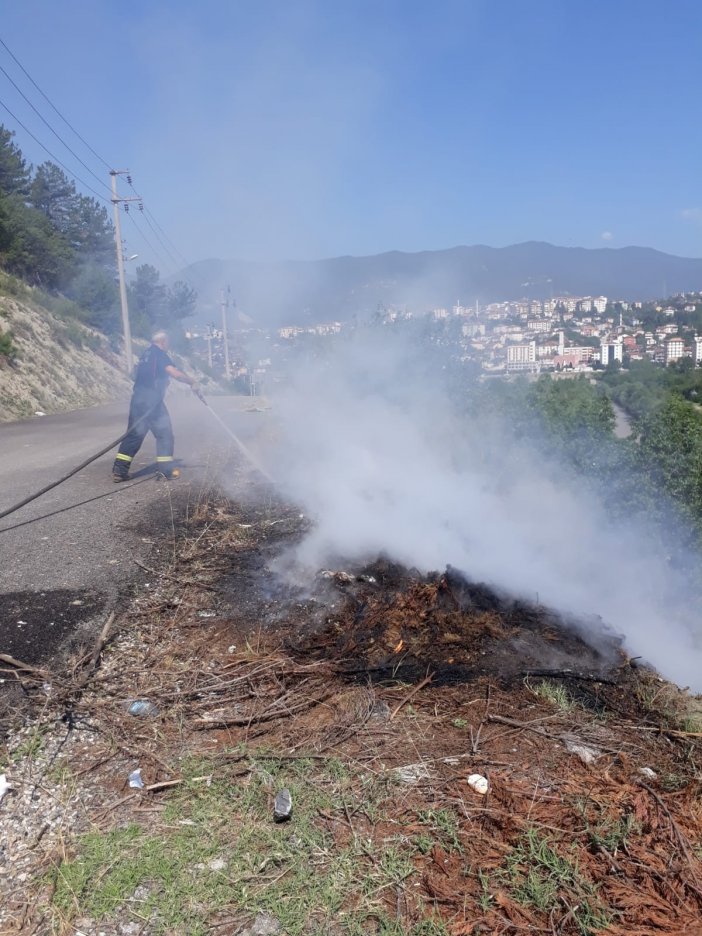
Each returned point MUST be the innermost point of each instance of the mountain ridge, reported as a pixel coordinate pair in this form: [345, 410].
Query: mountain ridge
[337, 288]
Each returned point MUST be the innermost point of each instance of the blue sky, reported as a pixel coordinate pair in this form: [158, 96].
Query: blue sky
[314, 128]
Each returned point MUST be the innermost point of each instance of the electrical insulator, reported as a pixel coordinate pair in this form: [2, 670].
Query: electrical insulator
[141, 206]
[126, 207]
[129, 180]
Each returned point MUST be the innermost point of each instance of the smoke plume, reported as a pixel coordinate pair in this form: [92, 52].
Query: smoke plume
[386, 460]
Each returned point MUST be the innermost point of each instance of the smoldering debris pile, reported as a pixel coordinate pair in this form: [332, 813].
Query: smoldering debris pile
[385, 619]
[376, 701]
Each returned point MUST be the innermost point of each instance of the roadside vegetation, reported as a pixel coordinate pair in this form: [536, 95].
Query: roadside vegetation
[386, 835]
[61, 243]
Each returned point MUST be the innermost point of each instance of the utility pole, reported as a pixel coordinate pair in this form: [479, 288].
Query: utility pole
[209, 345]
[116, 200]
[225, 305]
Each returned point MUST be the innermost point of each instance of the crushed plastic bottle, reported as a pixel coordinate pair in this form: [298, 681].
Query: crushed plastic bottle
[143, 708]
[282, 807]
[135, 780]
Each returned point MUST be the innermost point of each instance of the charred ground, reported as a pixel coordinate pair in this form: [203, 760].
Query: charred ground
[372, 694]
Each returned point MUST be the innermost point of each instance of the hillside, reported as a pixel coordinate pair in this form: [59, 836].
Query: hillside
[57, 365]
[338, 288]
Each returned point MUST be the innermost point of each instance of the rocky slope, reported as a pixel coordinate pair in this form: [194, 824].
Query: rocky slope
[59, 365]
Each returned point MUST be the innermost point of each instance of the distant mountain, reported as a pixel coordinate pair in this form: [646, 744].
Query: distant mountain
[298, 292]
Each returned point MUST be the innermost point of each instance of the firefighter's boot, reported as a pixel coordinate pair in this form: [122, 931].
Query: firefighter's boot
[167, 468]
[120, 469]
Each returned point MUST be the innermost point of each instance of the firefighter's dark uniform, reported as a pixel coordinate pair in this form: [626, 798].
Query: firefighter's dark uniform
[147, 411]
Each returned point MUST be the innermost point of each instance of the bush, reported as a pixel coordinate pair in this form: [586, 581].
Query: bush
[7, 346]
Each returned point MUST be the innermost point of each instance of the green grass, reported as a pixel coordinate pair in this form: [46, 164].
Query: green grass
[444, 824]
[30, 746]
[555, 693]
[298, 871]
[605, 831]
[539, 876]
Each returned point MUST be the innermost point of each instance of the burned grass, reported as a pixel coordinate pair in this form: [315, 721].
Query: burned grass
[372, 698]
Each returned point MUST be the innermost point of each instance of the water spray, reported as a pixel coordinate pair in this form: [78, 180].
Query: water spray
[244, 449]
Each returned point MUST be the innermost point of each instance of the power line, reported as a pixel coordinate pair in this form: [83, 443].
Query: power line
[53, 106]
[178, 253]
[148, 217]
[146, 240]
[57, 135]
[73, 175]
[174, 260]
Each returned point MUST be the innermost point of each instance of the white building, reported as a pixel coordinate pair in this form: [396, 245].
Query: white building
[698, 349]
[600, 304]
[522, 357]
[674, 350]
[611, 351]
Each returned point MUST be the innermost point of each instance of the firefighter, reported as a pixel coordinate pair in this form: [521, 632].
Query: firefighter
[147, 411]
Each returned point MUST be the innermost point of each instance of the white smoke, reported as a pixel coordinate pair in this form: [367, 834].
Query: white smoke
[371, 444]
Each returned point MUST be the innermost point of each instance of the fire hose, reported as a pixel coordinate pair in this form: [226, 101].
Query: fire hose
[103, 451]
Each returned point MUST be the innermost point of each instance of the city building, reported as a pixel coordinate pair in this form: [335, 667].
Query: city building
[522, 357]
[674, 350]
[611, 351]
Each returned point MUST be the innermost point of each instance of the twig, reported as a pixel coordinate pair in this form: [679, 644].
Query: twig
[164, 784]
[681, 840]
[513, 723]
[265, 716]
[420, 685]
[95, 655]
[25, 667]
[475, 739]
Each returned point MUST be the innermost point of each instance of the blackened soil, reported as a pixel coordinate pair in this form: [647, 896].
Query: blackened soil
[33, 624]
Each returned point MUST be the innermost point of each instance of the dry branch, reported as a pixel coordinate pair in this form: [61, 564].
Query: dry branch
[103, 637]
[25, 667]
[420, 685]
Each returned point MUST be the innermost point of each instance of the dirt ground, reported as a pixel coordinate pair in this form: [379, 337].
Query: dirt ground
[372, 695]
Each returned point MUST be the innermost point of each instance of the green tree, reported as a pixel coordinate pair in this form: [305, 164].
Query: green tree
[670, 454]
[29, 245]
[15, 174]
[180, 302]
[147, 299]
[95, 290]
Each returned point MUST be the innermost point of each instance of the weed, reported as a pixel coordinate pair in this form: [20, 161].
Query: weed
[460, 722]
[538, 876]
[603, 830]
[31, 746]
[444, 824]
[485, 900]
[613, 834]
[555, 693]
[423, 843]
[8, 348]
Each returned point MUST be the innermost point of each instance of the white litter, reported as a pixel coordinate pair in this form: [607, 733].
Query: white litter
[478, 783]
[4, 786]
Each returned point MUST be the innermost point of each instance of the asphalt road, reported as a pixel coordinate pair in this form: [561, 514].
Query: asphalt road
[68, 558]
